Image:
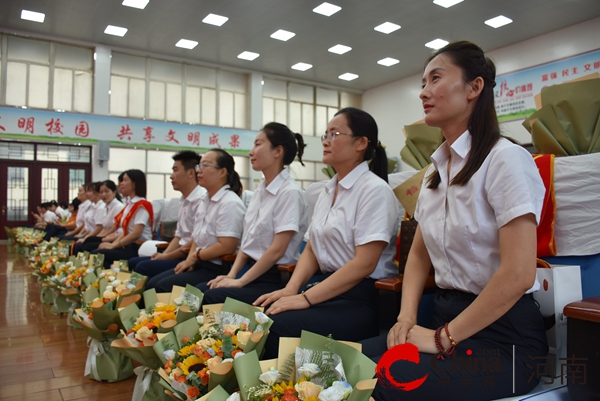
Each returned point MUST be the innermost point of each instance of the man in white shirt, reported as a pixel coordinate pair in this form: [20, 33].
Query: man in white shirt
[184, 180]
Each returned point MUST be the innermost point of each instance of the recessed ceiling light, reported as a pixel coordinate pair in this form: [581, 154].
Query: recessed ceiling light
[248, 56]
[339, 49]
[446, 3]
[32, 16]
[387, 27]
[348, 76]
[186, 44]
[436, 44]
[499, 21]
[214, 19]
[388, 61]
[141, 4]
[115, 30]
[283, 35]
[327, 9]
[301, 66]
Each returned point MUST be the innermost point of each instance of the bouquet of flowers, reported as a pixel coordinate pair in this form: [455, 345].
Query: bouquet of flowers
[196, 362]
[28, 237]
[310, 368]
[143, 326]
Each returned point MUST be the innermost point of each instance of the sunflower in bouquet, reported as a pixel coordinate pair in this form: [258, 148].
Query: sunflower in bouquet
[202, 360]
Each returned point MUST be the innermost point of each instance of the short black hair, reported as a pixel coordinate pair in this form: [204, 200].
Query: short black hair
[188, 158]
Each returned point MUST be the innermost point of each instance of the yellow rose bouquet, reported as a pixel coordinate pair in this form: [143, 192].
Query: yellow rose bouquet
[309, 368]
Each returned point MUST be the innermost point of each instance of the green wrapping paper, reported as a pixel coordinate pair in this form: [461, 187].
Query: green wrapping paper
[421, 141]
[257, 340]
[147, 386]
[222, 375]
[569, 121]
[359, 369]
[105, 363]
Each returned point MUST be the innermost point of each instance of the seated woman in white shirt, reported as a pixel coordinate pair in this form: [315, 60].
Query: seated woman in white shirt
[351, 240]
[477, 212]
[217, 228]
[135, 220]
[94, 216]
[75, 232]
[113, 206]
[274, 225]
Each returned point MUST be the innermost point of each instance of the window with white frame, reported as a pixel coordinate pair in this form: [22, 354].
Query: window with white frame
[49, 75]
[157, 165]
[143, 87]
[304, 109]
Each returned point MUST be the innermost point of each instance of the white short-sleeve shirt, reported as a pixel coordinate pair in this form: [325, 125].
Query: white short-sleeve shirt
[365, 210]
[112, 209]
[460, 223]
[186, 215]
[219, 216]
[276, 208]
[141, 217]
[50, 216]
[94, 215]
[81, 210]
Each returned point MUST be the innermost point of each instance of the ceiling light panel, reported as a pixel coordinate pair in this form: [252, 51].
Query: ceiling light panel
[301, 66]
[32, 16]
[436, 44]
[447, 3]
[348, 76]
[283, 35]
[115, 30]
[248, 56]
[388, 61]
[339, 49]
[387, 27]
[327, 9]
[186, 44]
[214, 19]
[141, 4]
[499, 21]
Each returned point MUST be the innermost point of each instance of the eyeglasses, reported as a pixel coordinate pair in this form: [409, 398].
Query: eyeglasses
[200, 167]
[330, 136]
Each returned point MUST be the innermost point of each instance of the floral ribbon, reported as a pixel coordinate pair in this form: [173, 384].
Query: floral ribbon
[142, 383]
[95, 351]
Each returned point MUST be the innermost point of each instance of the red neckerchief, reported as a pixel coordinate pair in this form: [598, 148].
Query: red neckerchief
[141, 203]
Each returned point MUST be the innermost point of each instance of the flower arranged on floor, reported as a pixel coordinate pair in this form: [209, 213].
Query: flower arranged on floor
[310, 368]
[198, 360]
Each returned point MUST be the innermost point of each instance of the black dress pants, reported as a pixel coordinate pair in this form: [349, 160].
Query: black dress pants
[499, 361]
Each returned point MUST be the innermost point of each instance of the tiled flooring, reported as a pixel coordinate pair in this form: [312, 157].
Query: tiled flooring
[40, 356]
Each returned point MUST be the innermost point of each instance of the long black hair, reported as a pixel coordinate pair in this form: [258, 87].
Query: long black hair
[483, 122]
[280, 135]
[362, 123]
[139, 180]
[226, 161]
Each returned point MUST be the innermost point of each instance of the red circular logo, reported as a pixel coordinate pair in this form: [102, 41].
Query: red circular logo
[401, 352]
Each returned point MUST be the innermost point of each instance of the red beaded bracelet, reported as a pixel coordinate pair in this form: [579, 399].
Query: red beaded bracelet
[438, 342]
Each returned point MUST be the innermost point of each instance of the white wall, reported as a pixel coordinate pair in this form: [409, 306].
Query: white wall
[397, 104]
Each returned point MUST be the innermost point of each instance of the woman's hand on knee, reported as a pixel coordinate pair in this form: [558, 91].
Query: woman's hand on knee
[423, 338]
[287, 303]
[398, 332]
[268, 299]
[183, 267]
